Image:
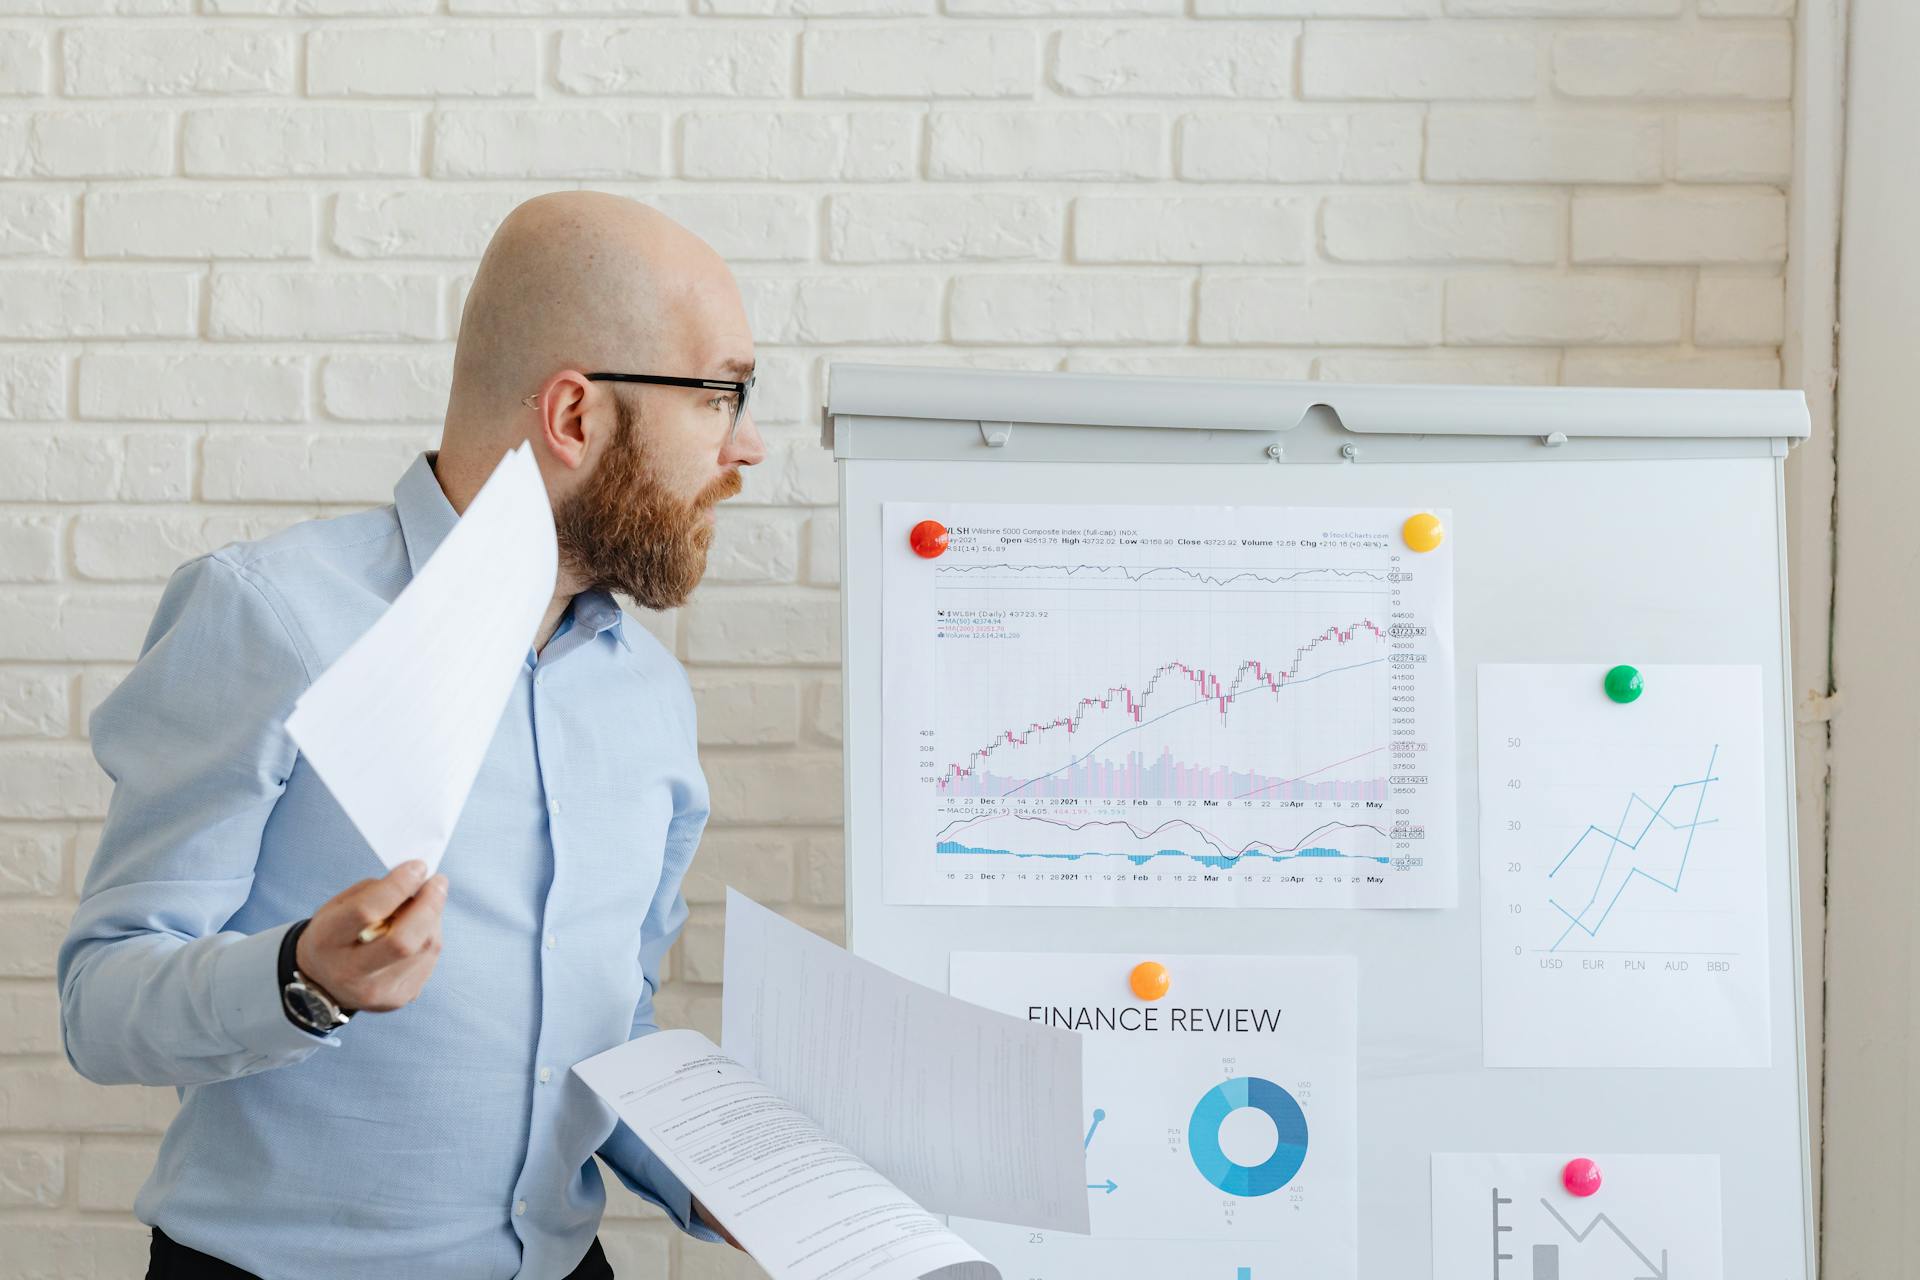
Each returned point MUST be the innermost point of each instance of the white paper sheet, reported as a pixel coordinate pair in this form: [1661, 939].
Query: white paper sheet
[804, 1206]
[398, 725]
[1168, 706]
[1623, 869]
[967, 1110]
[1510, 1217]
[1220, 1136]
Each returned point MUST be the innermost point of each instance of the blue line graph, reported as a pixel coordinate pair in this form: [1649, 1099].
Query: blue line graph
[1225, 856]
[1616, 841]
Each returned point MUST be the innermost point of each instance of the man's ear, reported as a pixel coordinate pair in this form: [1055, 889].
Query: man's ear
[562, 410]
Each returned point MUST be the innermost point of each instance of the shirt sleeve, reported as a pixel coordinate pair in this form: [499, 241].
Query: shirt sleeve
[630, 1159]
[153, 988]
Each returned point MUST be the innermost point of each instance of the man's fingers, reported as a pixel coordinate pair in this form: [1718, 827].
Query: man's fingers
[356, 887]
[415, 927]
[387, 972]
[375, 900]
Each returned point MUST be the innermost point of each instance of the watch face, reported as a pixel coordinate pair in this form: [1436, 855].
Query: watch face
[309, 1006]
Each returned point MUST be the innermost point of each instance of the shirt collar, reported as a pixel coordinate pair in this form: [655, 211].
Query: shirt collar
[426, 518]
[598, 611]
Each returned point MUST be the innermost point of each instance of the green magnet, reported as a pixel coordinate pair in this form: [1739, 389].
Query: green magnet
[1623, 683]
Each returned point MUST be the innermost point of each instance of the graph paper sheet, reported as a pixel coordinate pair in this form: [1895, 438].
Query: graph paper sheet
[1622, 869]
[1168, 706]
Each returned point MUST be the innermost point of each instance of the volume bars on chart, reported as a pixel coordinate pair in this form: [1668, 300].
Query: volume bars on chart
[1179, 730]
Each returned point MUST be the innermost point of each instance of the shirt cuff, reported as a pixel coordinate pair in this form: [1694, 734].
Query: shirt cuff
[656, 1183]
[246, 999]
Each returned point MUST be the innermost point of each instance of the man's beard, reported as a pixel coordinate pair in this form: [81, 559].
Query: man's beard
[624, 532]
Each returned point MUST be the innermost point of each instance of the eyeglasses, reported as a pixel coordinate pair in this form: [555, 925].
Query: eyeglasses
[739, 390]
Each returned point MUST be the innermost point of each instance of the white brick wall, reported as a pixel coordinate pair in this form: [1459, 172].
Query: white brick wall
[235, 236]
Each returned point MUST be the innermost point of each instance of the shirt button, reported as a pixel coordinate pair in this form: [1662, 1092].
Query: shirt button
[546, 1074]
[551, 940]
[519, 1207]
[553, 806]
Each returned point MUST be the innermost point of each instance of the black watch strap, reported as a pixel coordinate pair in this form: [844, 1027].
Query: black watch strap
[289, 941]
[290, 973]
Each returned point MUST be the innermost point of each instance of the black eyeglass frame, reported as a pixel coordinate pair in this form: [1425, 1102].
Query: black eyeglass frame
[739, 389]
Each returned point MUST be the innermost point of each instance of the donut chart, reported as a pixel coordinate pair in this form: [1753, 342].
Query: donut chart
[1289, 1122]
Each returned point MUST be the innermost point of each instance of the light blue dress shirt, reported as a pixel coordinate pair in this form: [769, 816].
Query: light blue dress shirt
[448, 1138]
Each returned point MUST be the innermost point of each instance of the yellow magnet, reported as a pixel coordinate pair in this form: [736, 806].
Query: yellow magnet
[1423, 532]
[1149, 980]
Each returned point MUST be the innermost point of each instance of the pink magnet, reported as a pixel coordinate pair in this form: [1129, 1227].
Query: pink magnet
[1581, 1177]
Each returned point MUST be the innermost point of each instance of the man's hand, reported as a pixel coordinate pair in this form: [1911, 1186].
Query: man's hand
[700, 1212]
[388, 972]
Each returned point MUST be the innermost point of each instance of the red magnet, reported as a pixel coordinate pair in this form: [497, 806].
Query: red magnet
[929, 539]
[1581, 1177]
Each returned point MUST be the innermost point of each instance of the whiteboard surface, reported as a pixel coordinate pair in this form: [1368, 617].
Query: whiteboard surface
[1664, 556]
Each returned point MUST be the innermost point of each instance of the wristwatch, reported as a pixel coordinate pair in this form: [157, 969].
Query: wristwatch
[307, 1006]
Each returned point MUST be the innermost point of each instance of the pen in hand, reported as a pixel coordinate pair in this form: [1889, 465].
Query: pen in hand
[405, 905]
[378, 929]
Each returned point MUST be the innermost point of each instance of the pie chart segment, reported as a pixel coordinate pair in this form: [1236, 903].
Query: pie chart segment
[1289, 1123]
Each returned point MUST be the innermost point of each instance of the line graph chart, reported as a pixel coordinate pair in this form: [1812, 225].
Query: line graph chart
[1624, 915]
[1583, 920]
[1167, 705]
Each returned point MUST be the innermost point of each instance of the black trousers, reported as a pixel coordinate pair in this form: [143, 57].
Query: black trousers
[168, 1259]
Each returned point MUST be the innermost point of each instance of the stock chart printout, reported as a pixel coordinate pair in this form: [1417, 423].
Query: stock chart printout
[1220, 1122]
[1623, 869]
[1167, 706]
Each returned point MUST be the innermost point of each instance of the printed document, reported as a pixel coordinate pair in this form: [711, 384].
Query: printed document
[968, 1110]
[804, 1206]
[398, 725]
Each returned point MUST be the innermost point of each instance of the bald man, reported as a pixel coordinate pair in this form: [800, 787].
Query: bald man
[403, 1107]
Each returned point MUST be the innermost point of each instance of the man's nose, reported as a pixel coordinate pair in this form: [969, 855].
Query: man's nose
[747, 448]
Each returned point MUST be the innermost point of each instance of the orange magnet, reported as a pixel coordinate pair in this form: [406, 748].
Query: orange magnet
[1149, 980]
[1423, 532]
[929, 539]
